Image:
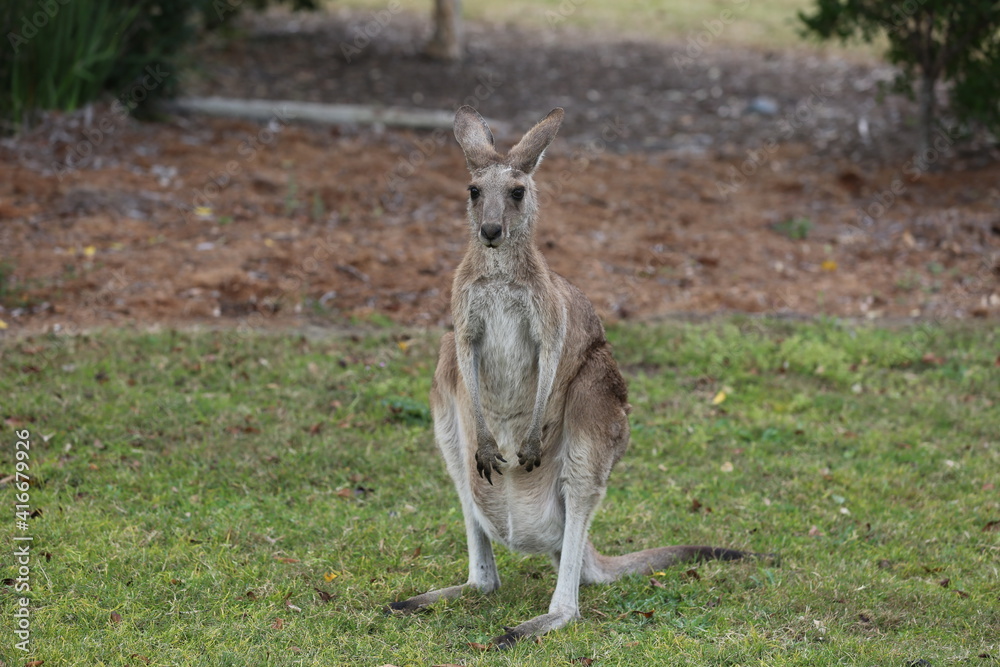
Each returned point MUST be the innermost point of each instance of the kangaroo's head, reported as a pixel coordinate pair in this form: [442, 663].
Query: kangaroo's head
[502, 197]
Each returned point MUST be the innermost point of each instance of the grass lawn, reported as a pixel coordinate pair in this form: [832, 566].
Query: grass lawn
[769, 24]
[214, 499]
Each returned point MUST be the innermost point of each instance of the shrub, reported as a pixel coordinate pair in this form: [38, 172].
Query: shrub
[930, 40]
[62, 54]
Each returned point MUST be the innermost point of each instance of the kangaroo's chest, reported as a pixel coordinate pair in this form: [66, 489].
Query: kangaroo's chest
[508, 356]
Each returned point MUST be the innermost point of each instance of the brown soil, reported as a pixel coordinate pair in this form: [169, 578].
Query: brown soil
[727, 187]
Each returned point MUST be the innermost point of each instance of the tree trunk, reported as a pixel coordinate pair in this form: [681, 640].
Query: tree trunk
[446, 43]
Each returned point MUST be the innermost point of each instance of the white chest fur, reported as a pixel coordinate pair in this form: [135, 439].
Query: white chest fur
[508, 364]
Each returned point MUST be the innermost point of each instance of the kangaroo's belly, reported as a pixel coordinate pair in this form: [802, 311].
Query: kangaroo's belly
[523, 511]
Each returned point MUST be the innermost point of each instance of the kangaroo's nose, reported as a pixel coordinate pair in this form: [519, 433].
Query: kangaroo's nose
[490, 231]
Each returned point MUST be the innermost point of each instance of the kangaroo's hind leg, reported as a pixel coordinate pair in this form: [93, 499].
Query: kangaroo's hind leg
[595, 431]
[453, 435]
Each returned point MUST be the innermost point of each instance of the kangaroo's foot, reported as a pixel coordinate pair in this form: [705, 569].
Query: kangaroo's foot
[536, 627]
[420, 602]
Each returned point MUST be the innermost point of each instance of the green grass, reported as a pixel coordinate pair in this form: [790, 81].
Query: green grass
[196, 484]
[771, 24]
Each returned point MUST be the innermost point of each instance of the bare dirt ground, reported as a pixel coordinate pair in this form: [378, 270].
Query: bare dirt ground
[743, 181]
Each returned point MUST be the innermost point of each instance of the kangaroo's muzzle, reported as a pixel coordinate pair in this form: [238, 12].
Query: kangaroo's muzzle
[491, 234]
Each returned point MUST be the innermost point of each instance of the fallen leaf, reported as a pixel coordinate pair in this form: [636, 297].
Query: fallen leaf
[586, 662]
[695, 505]
[316, 428]
[726, 467]
[278, 624]
[282, 559]
[116, 618]
[138, 656]
[706, 260]
[693, 574]
[295, 649]
[323, 595]
[815, 532]
[656, 583]
[447, 664]
[944, 582]
[330, 576]
[3, 325]
[34, 663]
[251, 595]
[828, 265]
[961, 594]
[292, 607]
[719, 398]
[345, 493]
[89, 251]
[991, 526]
[644, 614]
[479, 647]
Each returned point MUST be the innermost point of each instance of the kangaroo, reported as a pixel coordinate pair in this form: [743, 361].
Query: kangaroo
[530, 410]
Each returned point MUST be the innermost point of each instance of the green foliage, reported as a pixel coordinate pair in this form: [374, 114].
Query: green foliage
[930, 40]
[202, 486]
[62, 54]
[59, 58]
[796, 229]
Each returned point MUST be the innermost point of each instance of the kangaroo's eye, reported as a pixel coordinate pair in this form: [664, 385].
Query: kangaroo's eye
[473, 192]
[517, 193]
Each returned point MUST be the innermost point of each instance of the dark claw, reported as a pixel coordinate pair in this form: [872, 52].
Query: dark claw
[507, 639]
[491, 465]
[403, 607]
[529, 462]
[484, 472]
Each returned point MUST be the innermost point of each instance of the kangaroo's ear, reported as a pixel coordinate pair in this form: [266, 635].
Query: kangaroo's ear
[475, 138]
[528, 153]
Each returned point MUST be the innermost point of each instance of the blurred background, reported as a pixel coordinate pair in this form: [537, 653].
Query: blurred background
[259, 164]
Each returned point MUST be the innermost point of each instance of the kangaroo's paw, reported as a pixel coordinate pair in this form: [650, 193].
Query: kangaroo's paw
[530, 454]
[488, 459]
